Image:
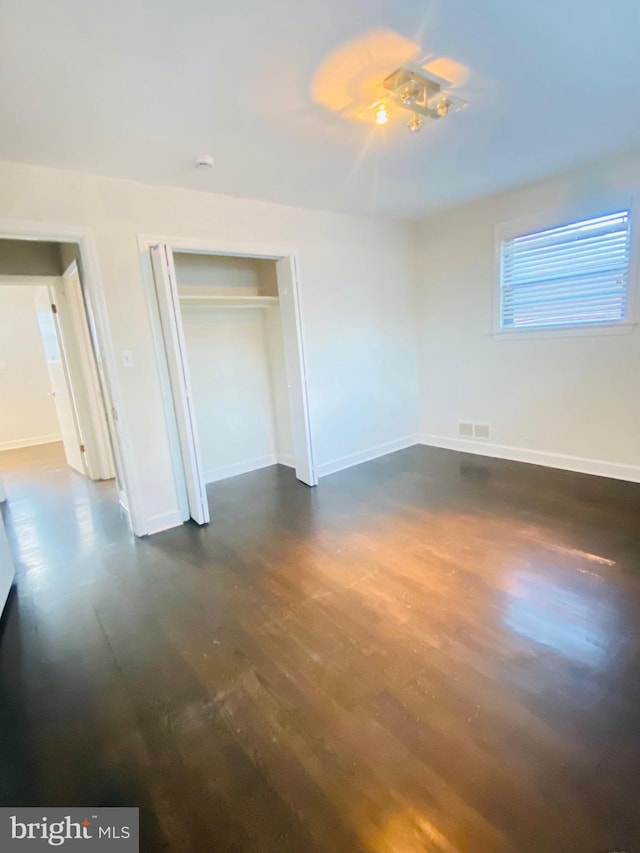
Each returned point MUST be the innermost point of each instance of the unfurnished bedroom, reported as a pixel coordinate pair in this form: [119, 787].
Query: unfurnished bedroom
[319, 426]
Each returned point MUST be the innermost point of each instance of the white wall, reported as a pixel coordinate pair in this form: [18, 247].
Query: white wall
[228, 363]
[230, 276]
[559, 400]
[27, 412]
[358, 305]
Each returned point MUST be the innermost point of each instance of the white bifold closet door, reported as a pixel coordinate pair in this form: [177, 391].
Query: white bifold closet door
[175, 347]
[296, 373]
[166, 287]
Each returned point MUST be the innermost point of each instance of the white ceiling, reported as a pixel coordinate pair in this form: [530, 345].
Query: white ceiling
[138, 88]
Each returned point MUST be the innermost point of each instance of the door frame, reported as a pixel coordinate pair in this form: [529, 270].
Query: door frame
[103, 350]
[190, 245]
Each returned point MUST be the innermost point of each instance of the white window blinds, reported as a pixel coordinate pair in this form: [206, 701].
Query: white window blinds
[573, 275]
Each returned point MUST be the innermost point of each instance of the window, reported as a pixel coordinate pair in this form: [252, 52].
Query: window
[572, 275]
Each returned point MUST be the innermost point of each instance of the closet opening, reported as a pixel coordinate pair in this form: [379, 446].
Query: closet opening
[230, 348]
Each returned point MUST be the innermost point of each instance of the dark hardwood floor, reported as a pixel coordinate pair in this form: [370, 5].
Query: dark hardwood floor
[429, 652]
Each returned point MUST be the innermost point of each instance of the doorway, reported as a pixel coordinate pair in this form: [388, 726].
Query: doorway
[52, 348]
[230, 346]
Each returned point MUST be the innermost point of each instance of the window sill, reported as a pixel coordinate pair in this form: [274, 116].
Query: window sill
[564, 332]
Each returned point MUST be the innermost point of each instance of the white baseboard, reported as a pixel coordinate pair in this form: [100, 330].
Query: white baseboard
[286, 459]
[225, 471]
[163, 521]
[30, 442]
[598, 467]
[366, 455]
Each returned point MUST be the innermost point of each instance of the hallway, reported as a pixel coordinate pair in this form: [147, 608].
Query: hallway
[428, 652]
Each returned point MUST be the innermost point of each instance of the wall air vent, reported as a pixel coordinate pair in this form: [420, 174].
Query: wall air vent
[467, 429]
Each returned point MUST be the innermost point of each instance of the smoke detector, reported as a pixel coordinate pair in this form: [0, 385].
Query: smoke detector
[204, 161]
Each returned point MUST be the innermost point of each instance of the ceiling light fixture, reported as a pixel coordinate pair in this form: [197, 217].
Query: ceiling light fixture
[409, 96]
[443, 107]
[422, 93]
[382, 114]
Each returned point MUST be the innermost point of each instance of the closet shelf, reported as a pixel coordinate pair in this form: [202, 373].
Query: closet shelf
[231, 301]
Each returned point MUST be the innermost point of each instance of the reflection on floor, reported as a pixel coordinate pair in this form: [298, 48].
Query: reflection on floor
[428, 652]
[53, 511]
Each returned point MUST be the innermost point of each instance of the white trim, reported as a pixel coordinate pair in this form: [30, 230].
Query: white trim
[122, 500]
[30, 442]
[18, 229]
[581, 465]
[213, 475]
[216, 247]
[367, 455]
[112, 390]
[162, 521]
[577, 331]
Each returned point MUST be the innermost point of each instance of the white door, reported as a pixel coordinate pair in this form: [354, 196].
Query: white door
[59, 379]
[79, 357]
[172, 332]
[296, 377]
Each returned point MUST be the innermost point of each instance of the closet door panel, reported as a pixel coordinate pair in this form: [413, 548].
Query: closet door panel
[172, 331]
[296, 374]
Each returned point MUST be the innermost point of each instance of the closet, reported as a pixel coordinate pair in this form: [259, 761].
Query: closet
[232, 342]
[233, 336]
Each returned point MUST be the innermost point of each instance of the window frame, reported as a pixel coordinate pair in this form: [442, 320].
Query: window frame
[556, 218]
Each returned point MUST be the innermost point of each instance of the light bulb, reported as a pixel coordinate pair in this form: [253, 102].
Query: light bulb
[382, 115]
[408, 98]
[443, 108]
[415, 125]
